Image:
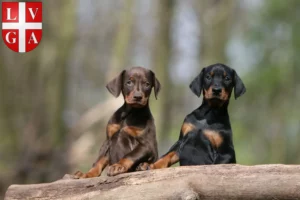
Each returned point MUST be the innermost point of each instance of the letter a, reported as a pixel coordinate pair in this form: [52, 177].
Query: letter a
[32, 37]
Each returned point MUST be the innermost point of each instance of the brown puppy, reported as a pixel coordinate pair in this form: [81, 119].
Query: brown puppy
[131, 137]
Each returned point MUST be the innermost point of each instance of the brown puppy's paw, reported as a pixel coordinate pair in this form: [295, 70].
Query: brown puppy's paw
[79, 175]
[144, 166]
[116, 169]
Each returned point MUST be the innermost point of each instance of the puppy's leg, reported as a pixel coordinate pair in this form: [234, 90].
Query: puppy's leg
[173, 154]
[99, 165]
[125, 164]
[226, 155]
[165, 161]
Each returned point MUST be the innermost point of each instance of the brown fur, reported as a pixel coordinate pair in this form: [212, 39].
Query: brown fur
[112, 129]
[129, 100]
[126, 145]
[133, 131]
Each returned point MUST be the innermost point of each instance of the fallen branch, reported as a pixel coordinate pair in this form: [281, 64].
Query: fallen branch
[193, 182]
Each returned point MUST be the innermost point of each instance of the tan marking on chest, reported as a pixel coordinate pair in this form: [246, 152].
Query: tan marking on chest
[187, 127]
[112, 129]
[133, 131]
[214, 137]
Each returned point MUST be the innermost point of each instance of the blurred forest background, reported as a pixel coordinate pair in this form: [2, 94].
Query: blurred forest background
[54, 105]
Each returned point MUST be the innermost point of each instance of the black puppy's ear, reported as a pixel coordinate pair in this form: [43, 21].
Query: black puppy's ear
[196, 84]
[239, 87]
[156, 84]
[115, 85]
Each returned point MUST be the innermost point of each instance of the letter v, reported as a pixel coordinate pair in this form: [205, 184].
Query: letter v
[31, 12]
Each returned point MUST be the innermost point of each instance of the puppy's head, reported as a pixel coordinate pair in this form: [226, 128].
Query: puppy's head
[135, 84]
[217, 82]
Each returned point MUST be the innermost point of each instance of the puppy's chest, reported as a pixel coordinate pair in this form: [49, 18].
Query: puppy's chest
[212, 125]
[126, 129]
[216, 132]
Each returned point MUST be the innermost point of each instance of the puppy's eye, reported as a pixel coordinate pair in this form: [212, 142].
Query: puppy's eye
[227, 78]
[147, 84]
[208, 77]
[129, 83]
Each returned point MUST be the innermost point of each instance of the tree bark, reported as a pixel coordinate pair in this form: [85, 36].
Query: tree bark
[192, 182]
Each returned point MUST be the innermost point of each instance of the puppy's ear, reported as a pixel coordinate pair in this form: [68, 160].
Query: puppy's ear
[239, 87]
[196, 84]
[115, 86]
[156, 84]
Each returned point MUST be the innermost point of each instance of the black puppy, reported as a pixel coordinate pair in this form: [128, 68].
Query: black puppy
[131, 137]
[206, 136]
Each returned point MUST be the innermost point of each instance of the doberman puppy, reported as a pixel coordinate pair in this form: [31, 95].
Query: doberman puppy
[206, 136]
[131, 137]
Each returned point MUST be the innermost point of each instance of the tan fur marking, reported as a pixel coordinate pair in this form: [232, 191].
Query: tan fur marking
[224, 95]
[208, 93]
[99, 166]
[187, 127]
[129, 100]
[94, 171]
[166, 161]
[112, 129]
[214, 137]
[133, 131]
[127, 163]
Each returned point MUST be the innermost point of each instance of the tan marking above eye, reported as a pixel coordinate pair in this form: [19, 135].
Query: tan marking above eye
[187, 127]
[211, 73]
[112, 129]
[133, 131]
[214, 137]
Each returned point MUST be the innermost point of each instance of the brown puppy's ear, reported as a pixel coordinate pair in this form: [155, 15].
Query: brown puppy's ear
[239, 87]
[115, 86]
[156, 84]
[196, 84]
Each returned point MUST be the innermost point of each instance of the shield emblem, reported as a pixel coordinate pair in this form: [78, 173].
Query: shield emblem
[22, 25]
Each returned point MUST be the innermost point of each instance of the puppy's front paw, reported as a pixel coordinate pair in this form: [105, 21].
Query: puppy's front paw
[144, 166]
[116, 169]
[79, 175]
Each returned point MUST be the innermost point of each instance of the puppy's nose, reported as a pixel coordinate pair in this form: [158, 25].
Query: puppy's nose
[137, 96]
[216, 90]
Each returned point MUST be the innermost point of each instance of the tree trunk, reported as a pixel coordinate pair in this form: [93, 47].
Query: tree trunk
[192, 182]
[122, 40]
[216, 20]
[162, 55]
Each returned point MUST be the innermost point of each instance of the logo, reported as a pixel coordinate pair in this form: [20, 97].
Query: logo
[22, 25]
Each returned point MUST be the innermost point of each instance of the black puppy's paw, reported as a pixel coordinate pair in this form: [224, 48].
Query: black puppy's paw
[116, 169]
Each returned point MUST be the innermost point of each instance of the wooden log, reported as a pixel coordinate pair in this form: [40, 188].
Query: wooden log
[191, 182]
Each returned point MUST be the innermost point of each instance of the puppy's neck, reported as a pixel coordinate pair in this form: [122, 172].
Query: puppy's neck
[215, 109]
[129, 110]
